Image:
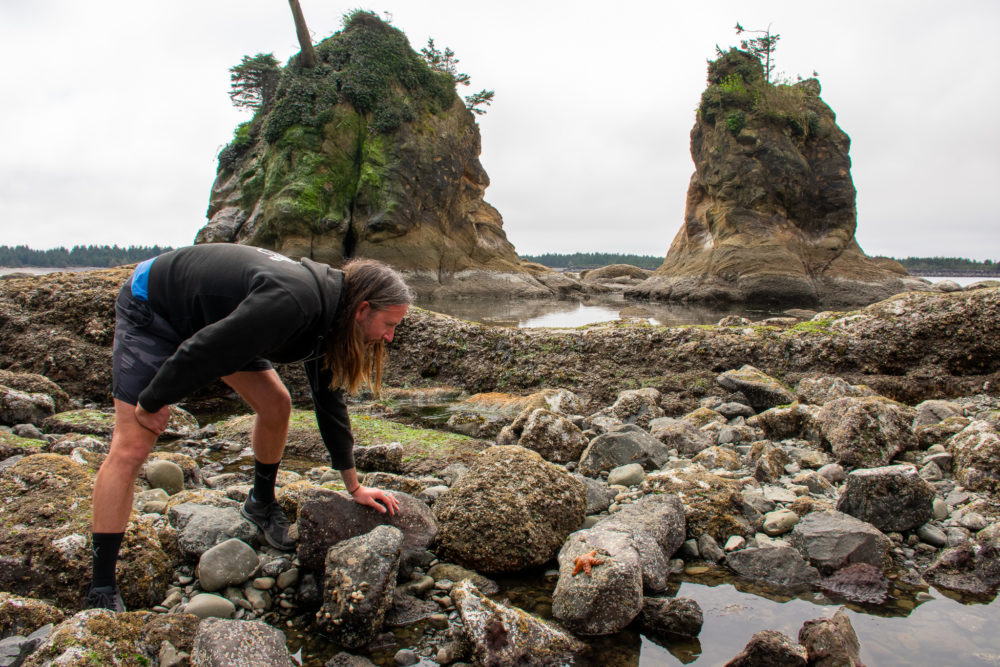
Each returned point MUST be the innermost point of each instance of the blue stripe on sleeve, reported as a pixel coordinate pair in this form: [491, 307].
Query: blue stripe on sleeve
[140, 280]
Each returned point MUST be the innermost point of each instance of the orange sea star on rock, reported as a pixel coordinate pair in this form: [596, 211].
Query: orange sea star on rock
[585, 562]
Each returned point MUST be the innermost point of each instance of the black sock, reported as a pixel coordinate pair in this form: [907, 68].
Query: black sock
[264, 475]
[105, 553]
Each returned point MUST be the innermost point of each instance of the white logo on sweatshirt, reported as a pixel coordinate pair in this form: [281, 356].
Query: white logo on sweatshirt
[275, 256]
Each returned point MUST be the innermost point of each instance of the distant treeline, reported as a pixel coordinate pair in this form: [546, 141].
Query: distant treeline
[950, 266]
[593, 260]
[78, 255]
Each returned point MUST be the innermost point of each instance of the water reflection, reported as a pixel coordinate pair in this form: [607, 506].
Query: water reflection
[557, 313]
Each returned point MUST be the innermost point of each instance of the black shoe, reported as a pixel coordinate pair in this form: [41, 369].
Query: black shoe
[271, 519]
[105, 597]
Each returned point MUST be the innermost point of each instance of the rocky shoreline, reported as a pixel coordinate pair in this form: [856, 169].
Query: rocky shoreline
[839, 455]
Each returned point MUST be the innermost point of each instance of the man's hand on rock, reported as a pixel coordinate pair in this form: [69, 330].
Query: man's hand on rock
[153, 421]
[380, 500]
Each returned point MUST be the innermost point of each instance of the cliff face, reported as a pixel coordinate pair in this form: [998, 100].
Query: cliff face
[370, 153]
[770, 214]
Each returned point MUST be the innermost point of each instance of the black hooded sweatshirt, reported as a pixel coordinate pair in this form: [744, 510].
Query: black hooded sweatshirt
[234, 304]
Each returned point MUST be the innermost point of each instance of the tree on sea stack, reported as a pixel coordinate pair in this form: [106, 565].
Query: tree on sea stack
[368, 152]
[770, 215]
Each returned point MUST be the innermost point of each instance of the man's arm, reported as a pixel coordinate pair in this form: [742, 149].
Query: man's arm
[335, 428]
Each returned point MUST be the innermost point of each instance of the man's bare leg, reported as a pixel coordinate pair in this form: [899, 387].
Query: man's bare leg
[114, 486]
[268, 397]
[130, 445]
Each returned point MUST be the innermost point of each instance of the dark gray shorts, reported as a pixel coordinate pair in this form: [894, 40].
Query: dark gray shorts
[143, 341]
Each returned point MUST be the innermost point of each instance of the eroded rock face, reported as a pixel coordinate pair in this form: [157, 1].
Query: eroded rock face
[373, 154]
[770, 213]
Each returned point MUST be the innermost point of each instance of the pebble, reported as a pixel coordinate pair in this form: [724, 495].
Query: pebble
[166, 475]
[734, 543]
[932, 535]
[631, 474]
[779, 522]
[288, 578]
[206, 605]
[405, 657]
[263, 583]
[940, 509]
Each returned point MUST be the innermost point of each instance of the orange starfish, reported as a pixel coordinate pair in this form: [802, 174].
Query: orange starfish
[585, 562]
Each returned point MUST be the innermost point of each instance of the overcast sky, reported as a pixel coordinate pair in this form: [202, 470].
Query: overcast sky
[114, 111]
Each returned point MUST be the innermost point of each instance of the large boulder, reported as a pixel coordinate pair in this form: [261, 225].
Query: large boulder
[503, 635]
[770, 213]
[891, 498]
[511, 510]
[684, 435]
[21, 407]
[831, 642]
[866, 432]
[634, 406]
[631, 546]
[93, 637]
[778, 566]
[553, 436]
[621, 445]
[713, 505]
[329, 517]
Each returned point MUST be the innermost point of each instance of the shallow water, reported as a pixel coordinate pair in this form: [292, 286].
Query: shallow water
[556, 313]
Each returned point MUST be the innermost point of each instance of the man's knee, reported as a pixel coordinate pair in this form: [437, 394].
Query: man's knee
[277, 409]
[130, 458]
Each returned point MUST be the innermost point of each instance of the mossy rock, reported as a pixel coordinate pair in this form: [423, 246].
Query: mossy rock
[424, 450]
[45, 528]
[90, 422]
[14, 445]
[22, 616]
[96, 637]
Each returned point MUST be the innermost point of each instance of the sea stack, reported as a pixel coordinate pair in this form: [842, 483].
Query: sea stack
[770, 215]
[371, 152]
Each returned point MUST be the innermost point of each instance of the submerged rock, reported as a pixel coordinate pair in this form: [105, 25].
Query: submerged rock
[772, 648]
[671, 618]
[859, 582]
[501, 635]
[831, 642]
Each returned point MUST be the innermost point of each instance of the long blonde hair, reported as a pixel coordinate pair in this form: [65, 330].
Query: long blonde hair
[350, 360]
